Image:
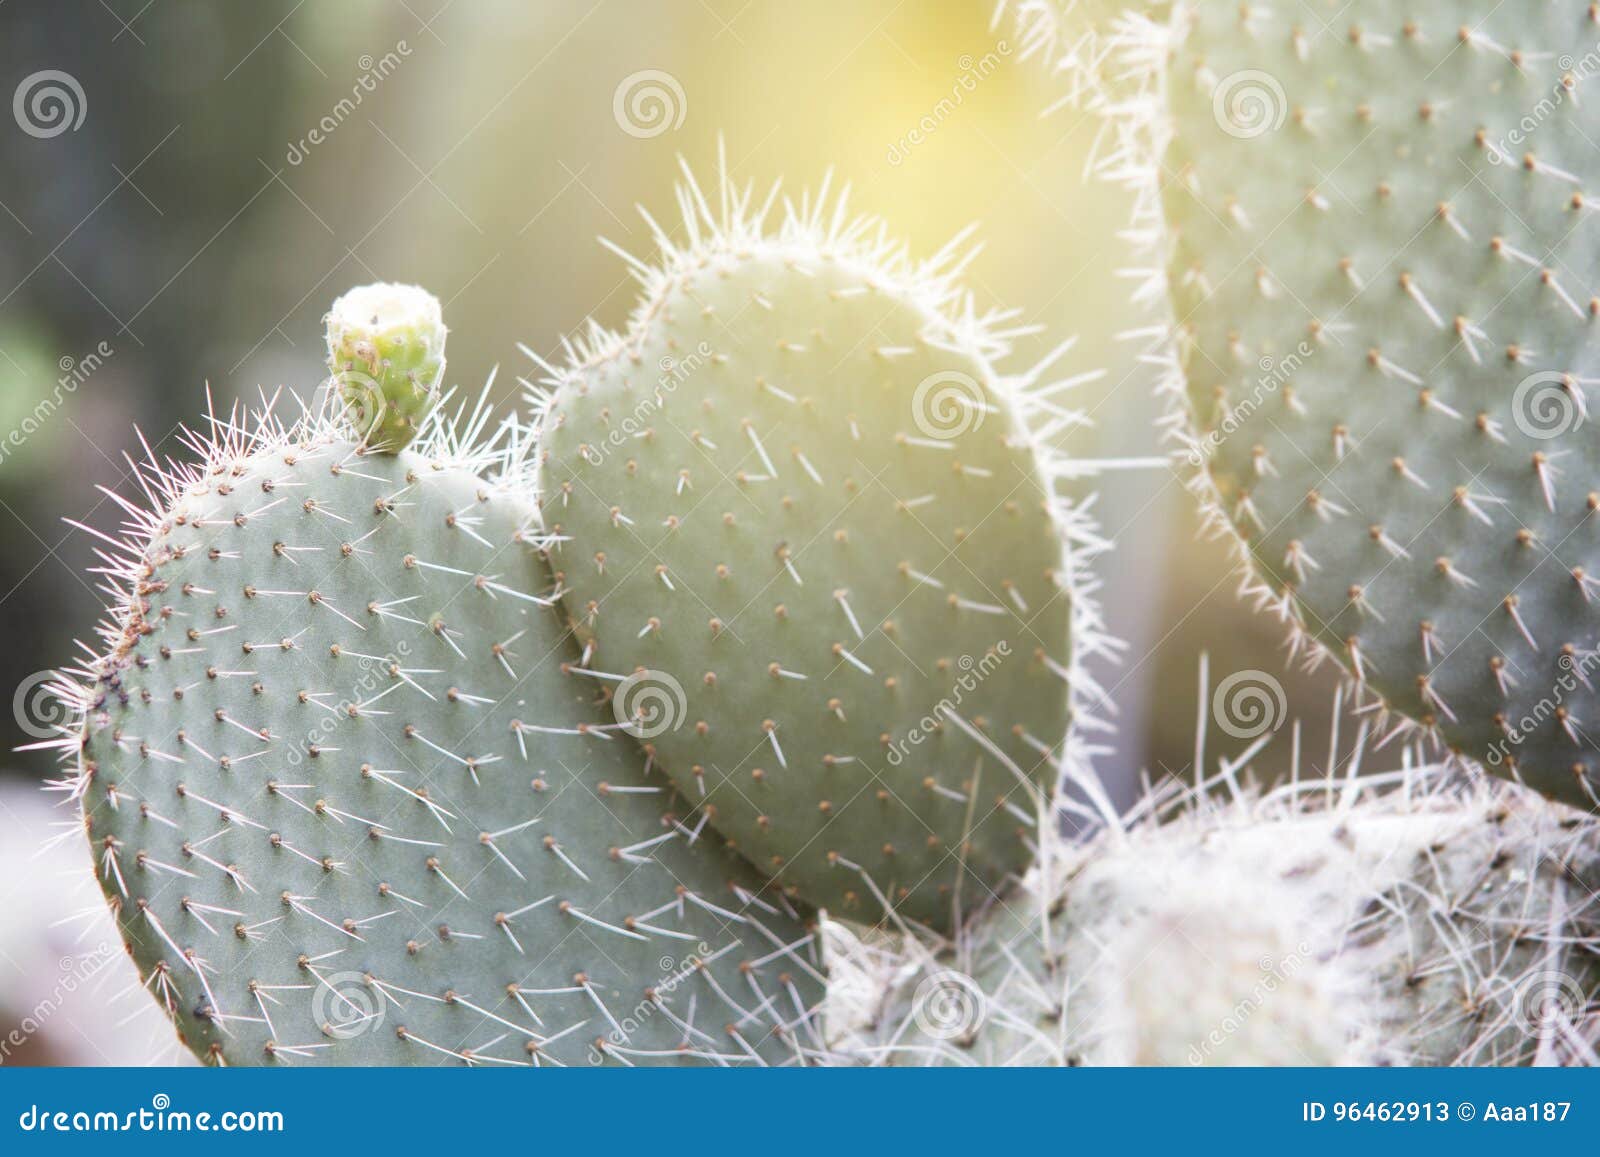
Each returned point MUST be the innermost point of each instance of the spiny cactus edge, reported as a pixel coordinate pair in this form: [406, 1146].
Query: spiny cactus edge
[797, 504]
[1401, 919]
[1376, 238]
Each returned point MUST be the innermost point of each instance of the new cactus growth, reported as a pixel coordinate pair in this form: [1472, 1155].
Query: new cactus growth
[348, 807]
[386, 354]
[797, 504]
[1377, 234]
[1407, 923]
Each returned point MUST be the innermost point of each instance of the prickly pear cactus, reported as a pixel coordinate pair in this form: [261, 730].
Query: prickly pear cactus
[1380, 244]
[349, 809]
[810, 547]
[1413, 929]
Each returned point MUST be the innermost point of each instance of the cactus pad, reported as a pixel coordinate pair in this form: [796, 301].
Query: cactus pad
[348, 810]
[796, 504]
[1382, 249]
[1414, 927]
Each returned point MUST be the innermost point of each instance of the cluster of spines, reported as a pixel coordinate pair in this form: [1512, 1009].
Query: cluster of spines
[821, 227]
[732, 224]
[1508, 975]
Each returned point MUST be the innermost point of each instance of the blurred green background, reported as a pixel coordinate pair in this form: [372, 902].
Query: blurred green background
[238, 165]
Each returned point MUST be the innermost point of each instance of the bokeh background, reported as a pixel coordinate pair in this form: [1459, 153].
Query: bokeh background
[214, 174]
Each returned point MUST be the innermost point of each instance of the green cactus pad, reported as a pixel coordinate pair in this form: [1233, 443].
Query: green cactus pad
[386, 354]
[1411, 927]
[1382, 252]
[794, 508]
[349, 810]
